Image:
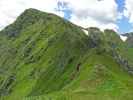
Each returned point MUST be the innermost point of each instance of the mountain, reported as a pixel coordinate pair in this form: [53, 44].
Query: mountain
[129, 43]
[45, 57]
[129, 39]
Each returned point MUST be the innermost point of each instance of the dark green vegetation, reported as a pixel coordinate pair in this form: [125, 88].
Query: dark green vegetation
[129, 43]
[44, 57]
[130, 39]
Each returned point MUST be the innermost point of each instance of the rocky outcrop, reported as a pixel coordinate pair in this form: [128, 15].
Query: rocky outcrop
[129, 39]
[123, 62]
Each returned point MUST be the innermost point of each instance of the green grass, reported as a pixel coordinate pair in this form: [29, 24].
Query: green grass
[43, 56]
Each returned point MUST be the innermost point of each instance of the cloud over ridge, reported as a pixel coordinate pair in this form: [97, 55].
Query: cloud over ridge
[98, 13]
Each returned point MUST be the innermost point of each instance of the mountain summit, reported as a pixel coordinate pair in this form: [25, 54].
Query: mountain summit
[44, 57]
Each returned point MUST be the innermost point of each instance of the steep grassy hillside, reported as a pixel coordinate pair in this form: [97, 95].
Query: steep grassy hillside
[44, 57]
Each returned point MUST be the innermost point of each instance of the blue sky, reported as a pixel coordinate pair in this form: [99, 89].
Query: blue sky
[124, 25]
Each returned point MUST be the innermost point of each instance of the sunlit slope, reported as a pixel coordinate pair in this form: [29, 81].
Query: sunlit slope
[43, 56]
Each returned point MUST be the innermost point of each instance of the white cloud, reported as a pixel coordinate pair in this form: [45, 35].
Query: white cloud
[99, 13]
[85, 31]
[102, 14]
[123, 38]
[128, 12]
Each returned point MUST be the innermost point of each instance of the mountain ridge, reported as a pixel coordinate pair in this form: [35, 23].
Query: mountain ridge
[46, 57]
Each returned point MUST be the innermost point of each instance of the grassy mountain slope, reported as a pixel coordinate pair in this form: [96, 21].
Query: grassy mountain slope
[46, 57]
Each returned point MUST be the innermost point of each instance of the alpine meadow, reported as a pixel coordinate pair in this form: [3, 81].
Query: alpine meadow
[46, 57]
